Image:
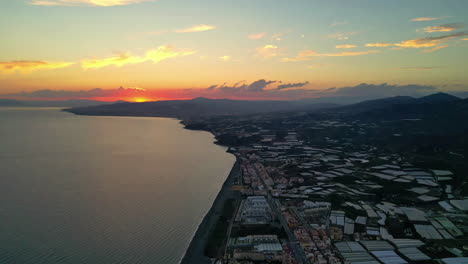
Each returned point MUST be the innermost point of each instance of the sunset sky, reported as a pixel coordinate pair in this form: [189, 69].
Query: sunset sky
[265, 49]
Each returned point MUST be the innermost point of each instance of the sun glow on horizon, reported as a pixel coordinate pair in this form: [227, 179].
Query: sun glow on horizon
[142, 99]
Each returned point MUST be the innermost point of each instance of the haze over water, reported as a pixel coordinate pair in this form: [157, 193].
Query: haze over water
[78, 189]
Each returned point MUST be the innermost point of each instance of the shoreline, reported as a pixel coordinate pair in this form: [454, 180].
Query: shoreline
[195, 253]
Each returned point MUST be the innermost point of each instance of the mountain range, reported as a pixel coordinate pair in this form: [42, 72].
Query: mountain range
[199, 107]
[434, 106]
[439, 105]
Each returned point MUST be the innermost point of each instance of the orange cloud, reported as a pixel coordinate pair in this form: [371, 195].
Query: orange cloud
[435, 49]
[155, 55]
[268, 51]
[416, 43]
[166, 52]
[345, 46]
[256, 36]
[345, 54]
[304, 55]
[28, 66]
[341, 35]
[196, 28]
[118, 61]
[442, 28]
[419, 19]
[430, 41]
[309, 54]
[378, 44]
[86, 2]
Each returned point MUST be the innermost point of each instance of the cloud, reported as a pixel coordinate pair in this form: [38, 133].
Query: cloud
[268, 51]
[166, 52]
[429, 41]
[419, 68]
[278, 36]
[345, 54]
[435, 49]
[383, 90]
[86, 2]
[309, 54]
[338, 23]
[419, 19]
[196, 28]
[155, 55]
[119, 60]
[259, 85]
[379, 44]
[256, 86]
[345, 46]
[291, 85]
[29, 66]
[257, 90]
[192, 29]
[304, 55]
[341, 35]
[443, 28]
[256, 36]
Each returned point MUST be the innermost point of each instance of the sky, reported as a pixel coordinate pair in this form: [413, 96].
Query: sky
[141, 50]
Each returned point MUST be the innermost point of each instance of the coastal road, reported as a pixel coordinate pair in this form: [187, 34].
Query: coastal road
[294, 244]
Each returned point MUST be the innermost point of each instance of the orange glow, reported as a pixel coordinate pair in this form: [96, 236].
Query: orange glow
[141, 99]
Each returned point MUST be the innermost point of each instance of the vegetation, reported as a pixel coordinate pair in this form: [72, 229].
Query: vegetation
[217, 236]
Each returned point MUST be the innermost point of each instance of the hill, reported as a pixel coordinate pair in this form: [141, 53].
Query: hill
[198, 107]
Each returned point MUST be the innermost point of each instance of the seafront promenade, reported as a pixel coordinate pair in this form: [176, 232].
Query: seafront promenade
[195, 253]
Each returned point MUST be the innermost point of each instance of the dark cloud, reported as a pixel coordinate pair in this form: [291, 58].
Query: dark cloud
[212, 87]
[256, 86]
[291, 85]
[383, 90]
[259, 85]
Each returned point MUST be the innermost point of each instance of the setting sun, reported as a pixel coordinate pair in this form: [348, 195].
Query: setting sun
[141, 99]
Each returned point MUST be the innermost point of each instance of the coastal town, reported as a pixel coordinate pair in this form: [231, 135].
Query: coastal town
[325, 191]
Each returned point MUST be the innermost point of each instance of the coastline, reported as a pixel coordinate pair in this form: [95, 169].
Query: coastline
[195, 253]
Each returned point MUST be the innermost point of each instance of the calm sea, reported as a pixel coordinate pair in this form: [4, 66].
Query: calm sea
[102, 190]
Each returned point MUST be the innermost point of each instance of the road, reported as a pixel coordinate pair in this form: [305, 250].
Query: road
[294, 244]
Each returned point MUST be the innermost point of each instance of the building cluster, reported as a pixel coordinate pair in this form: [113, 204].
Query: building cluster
[309, 197]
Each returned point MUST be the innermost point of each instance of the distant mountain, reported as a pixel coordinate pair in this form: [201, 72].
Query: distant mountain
[438, 98]
[63, 103]
[198, 107]
[436, 106]
[376, 104]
